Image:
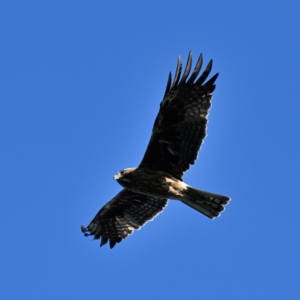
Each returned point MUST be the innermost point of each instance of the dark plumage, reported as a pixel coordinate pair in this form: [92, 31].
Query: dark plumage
[178, 132]
[180, 126]
[121, 215]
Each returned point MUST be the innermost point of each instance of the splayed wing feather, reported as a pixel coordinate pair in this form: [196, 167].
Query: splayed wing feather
[205, 73]
[118, 218]
[187, 69]
[178, 72]
[168, 84]
[196, 70]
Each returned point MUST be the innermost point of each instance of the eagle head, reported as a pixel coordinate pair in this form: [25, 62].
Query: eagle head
[124, 177]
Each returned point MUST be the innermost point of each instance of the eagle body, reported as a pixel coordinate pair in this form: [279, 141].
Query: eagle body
[177, 135]
[165, 186]
[159, 184]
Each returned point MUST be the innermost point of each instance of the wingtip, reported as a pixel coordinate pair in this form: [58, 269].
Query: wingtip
[196, 70]
[209, 65]
[104, 240]
[187, 68]
[168, 86]
[205, 73]
[112, 244]
[83, 229]
[177, 72]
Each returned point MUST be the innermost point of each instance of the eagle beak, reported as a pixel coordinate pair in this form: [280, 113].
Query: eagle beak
[115, 177]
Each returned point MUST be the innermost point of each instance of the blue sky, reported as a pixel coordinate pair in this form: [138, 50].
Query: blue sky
[81, 83]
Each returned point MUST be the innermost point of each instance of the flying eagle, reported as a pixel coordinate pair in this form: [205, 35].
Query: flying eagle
[177, 134]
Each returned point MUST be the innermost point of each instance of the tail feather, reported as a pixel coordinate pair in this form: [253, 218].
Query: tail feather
[209, 204]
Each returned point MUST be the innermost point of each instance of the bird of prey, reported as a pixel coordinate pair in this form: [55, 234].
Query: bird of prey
[177, 134]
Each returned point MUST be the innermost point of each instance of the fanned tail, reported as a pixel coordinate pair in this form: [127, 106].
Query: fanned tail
[209, 204]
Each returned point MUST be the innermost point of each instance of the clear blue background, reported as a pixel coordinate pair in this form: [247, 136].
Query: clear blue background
[80, 86]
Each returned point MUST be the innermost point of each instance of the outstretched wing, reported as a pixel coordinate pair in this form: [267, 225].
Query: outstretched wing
[180, 126]
[119, 217]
